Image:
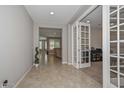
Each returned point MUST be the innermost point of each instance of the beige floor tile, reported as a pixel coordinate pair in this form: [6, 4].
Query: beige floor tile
[56, 75]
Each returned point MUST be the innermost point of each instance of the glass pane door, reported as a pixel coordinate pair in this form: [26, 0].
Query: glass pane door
[84, 42]
[116, 31]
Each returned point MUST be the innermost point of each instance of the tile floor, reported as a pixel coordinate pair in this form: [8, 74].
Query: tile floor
[56, 75]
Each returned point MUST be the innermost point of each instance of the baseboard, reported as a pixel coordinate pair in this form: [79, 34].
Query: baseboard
[64, 62]
[69, 63]
[18, 82]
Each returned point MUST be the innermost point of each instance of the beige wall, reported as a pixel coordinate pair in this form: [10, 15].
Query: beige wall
[65, 45]
[96, 38]
[70, 44]
[16, 43]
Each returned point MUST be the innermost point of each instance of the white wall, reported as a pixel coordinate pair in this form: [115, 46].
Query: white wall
[35, 38]
[16, 43]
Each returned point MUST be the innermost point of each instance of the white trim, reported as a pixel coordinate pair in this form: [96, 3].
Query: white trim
[86, 12]
[70, 63]
[85, 65]
[72, 56]
[69, 44]
[76, 66]
[118, 45]
[105, 43]
[77, 48]
[23, 76]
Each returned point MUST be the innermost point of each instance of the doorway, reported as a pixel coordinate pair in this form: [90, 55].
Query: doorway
[95, 21]
[88, 44]
[54, 46]
[50, 45]
[43, 49]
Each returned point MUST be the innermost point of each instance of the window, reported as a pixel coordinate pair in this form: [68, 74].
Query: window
[54, 43]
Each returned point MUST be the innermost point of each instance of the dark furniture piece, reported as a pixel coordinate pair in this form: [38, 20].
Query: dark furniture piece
[96, 55]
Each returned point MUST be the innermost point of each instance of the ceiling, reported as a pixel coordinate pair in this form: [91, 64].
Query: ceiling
[95, 19]
[50, 32]
[63, 13]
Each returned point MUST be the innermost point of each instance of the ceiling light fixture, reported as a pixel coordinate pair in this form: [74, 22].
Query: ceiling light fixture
[88, 21]
[51, 13]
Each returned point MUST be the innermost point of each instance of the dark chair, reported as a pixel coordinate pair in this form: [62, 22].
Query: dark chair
[96, 55]
[93, 55]
[99, 54]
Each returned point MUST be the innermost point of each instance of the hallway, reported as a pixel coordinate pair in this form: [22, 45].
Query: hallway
[54, 74]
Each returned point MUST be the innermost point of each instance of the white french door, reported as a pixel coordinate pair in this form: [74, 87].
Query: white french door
[113, 34]
[116, 32]
[81, 45]
[84, 45]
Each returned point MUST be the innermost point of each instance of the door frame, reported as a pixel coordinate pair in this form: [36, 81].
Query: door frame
[105, 34]
[105, 54]
[75, 64]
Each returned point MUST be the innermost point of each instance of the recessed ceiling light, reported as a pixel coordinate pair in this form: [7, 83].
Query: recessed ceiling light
[52, 13]
[88, 21]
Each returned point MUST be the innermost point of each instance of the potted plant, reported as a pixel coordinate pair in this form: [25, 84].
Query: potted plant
[36, 57]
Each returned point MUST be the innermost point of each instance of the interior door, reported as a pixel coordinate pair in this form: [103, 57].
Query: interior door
[116, 38]
[81, 45]
[84, 45]
[113, 46]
